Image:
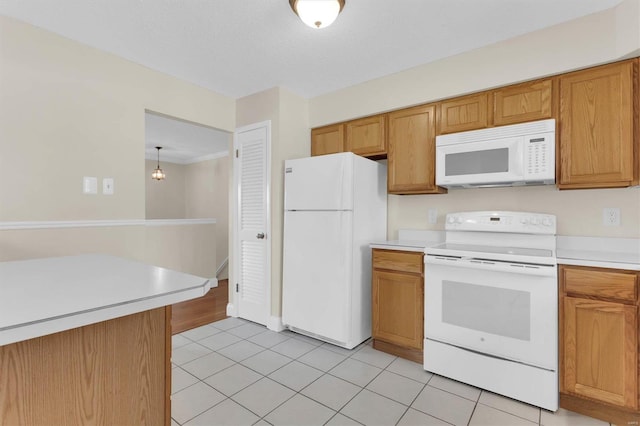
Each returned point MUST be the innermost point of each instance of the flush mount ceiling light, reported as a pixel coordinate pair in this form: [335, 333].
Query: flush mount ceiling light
[158, 174]
[317, 13]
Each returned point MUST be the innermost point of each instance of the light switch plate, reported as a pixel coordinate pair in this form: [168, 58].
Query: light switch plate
[89, 185]
[107, 186]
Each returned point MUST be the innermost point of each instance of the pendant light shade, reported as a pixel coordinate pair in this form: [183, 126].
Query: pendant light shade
[158, 174]
[317, 13]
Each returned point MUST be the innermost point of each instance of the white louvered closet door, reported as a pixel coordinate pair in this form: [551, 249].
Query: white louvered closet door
[253, 270]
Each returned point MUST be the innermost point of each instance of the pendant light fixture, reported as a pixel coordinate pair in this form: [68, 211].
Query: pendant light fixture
[158, 174]
[317, 13]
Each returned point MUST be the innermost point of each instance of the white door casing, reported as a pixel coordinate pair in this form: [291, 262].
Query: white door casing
[251, 285]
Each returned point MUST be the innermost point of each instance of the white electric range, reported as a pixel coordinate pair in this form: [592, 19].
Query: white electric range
[491, 304]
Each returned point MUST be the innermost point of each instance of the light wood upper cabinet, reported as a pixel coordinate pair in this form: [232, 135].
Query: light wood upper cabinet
[464, 113]
[598, 141]
[367, 136]
[327, 140]
[598, 128]
[411, 151]
[599, 335]
[520, 103]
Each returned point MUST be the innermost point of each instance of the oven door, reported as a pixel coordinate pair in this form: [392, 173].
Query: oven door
[506, 310]
[480, 163]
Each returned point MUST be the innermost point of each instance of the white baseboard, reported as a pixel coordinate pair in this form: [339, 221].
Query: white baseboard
[231, 310]
[275, 323]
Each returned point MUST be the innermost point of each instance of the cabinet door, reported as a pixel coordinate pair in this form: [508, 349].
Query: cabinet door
[367, 136]
[465, 113]
[327, 140]
[411, 151]
[398, 305]
[597, 127]
[600, 344]
[523, 102]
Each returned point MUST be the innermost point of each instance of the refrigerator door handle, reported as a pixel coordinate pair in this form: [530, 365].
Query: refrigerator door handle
[260, 236]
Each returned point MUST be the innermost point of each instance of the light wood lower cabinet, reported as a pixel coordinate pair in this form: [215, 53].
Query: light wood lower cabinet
[398, 303]
[599, 343]
[116, 372]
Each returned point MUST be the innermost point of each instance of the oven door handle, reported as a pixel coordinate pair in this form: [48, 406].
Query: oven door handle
[489, 265]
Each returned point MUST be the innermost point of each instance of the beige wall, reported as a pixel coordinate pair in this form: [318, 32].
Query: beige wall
[579, 212]
[193, 191]
[67, 111]
[125, 241]
[165, 199]
[192, 248]
[184, 248]
[293, 128]
[289, 139]
[594, 39]
[602, 37]
[206, 196]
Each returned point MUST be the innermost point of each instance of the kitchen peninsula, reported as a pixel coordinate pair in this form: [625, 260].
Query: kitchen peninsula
[86, 340]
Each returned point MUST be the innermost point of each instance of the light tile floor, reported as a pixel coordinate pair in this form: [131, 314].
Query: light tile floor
[234, 372]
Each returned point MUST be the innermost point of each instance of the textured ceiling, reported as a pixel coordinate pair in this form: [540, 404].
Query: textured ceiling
[182, 142]
[240, 47]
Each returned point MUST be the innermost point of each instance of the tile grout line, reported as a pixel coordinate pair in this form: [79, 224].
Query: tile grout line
[424, 385]
[324, 373]
[263, 377]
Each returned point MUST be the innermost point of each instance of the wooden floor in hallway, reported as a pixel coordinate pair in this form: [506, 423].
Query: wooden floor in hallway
[203, 310]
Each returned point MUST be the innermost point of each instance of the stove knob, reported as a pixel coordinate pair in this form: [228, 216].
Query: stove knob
[451, 219]
[535, 221]
[546, 222]
[524, 220]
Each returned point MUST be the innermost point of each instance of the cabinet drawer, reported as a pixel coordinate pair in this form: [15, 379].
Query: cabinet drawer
[603, 284]
[404, 261]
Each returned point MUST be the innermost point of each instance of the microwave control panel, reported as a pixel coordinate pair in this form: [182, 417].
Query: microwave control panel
[540, 162]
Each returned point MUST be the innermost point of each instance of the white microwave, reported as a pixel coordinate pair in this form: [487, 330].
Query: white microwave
[518, 154]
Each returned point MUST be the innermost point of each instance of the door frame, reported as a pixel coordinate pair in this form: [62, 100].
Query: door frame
[233, 307]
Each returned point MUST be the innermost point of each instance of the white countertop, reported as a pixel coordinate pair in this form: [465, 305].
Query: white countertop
[411, 240]
[404, 245]
[44, 296]
[601, 252]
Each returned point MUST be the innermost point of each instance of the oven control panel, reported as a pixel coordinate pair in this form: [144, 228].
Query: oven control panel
[502, 221]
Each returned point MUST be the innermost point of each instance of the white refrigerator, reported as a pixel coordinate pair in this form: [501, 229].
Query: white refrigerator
[335, 205]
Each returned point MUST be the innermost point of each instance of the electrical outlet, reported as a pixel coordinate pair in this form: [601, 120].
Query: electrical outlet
[433, 215]
[611, 216]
